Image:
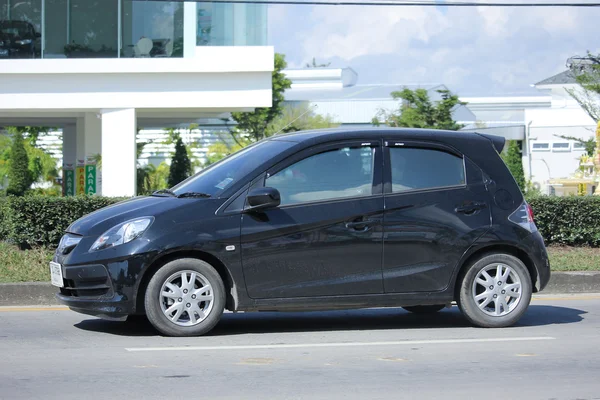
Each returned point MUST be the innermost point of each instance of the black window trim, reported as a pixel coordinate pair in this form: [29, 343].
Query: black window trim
[376, 184]
[396, 143]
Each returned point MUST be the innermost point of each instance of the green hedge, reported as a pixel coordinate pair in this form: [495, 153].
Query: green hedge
[573, 221]
[40, 220]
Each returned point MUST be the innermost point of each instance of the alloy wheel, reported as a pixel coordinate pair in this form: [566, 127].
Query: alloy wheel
[497, 289]
[186, 298]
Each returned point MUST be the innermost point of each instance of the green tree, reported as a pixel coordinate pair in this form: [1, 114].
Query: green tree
[587, 74]
[254, 124]
[419, 111]
[19, 175]
[299, 118]
[181, 167]
[514, 161]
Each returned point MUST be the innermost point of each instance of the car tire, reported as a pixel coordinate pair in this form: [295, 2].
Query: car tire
[489, 301]
[185, 297]
[425, 309]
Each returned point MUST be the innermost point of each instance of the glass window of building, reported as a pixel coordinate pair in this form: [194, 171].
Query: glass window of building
[125, 28]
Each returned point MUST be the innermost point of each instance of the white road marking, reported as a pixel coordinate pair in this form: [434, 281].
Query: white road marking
[343, 344]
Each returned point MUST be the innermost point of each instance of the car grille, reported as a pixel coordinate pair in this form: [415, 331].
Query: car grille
[89, 288]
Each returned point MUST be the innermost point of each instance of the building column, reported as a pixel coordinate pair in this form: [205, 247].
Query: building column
[190, 26]
[88, 153]
[119, 153]
[69, 138]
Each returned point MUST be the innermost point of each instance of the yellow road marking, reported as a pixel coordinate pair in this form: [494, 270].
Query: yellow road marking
[24, 309]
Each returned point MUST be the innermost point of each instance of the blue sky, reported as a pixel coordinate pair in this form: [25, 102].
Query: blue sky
[477, 51]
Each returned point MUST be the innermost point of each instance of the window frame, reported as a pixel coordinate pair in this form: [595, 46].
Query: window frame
[547, 149]
[376, 184]
[575, 148]
[561, 149]
[389, 144]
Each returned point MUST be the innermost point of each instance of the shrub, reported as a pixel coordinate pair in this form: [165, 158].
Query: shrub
[514, 162]
[573, 221]
[41, 221]
[19, 175]
[3, 216]
[181, 167]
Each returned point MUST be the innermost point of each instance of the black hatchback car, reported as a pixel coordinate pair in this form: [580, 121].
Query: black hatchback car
[18, 39]
[316, 220]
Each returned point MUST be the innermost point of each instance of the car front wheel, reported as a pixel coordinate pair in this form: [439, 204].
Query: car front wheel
[495, 291]
[185, 297]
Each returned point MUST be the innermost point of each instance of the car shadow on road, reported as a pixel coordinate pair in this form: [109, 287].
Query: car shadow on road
[349, 320]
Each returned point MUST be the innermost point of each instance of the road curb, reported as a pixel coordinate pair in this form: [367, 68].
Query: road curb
[28, 294]
[42, 293]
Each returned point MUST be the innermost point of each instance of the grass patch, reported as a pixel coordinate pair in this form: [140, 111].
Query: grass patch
[565, 258]
[24, 265]
[32, 265]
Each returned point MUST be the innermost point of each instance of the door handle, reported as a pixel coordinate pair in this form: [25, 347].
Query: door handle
[470, 208]
[363, 225]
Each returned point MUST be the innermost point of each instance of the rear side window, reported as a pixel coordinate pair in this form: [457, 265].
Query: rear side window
[416, 168]
[340, 173]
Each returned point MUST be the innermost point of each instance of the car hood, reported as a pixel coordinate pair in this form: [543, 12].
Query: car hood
[101, 220]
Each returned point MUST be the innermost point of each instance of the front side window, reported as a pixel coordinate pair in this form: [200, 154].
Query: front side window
[335, 174]
[415, 168]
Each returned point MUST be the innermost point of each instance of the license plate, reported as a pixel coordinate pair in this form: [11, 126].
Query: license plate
[56, 277]
[3, 53]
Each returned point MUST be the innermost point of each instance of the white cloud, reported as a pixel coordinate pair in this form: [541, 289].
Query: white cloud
[479, 49]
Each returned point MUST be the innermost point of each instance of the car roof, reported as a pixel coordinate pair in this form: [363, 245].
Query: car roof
[323, 135]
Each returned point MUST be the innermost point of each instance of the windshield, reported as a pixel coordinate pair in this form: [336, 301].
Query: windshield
[227, 172]
[14, 28]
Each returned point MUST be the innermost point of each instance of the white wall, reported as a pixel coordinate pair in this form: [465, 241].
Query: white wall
[565, 118]
[229, 78]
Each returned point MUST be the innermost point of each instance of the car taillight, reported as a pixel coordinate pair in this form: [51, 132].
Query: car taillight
[529, 213]
[523, 216]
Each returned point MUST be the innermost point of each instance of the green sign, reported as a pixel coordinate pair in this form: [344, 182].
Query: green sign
[69, 179]
[90, 179]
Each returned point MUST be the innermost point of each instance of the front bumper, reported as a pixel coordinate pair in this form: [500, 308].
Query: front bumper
[106, 290]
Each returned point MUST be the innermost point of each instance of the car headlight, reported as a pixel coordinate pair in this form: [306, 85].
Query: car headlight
[122, 233]
[24, 41]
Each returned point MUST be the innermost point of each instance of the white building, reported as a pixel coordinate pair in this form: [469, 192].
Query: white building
[335, 92]
[540, 122]
[101, 70]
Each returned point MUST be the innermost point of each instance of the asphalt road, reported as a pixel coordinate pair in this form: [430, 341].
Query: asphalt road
[553, 353]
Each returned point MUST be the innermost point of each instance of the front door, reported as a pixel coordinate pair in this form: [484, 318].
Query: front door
[436, 206]
[325, 238]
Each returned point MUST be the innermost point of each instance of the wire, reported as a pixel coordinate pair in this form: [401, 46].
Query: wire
[410, 3]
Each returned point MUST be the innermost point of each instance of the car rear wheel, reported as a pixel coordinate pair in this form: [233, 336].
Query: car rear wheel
[186, 297]
[495, 291]
[425, 309]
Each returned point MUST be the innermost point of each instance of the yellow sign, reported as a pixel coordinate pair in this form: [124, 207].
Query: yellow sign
[80, 176]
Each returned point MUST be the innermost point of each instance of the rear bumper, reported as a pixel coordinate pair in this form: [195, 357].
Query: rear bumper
[536, 249]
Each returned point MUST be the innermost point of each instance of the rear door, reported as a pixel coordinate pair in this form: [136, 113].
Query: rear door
[436, 206]
[325, 238]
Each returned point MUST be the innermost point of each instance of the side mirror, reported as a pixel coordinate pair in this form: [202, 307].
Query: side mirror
[262, 198]
[38, 35]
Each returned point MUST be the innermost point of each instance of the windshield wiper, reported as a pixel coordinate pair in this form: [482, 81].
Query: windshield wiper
[194, 194]
[165, 191]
